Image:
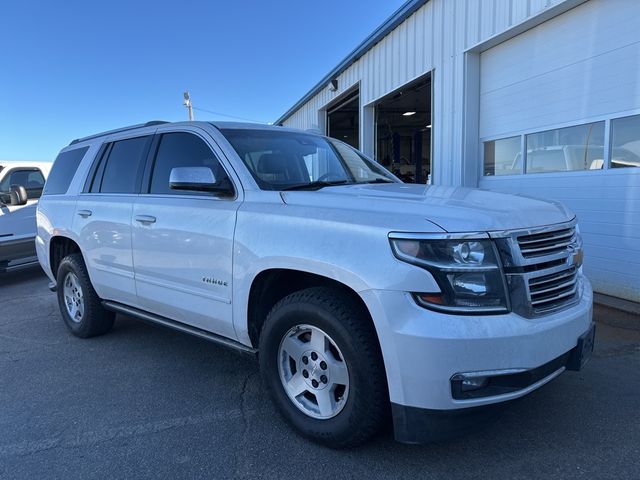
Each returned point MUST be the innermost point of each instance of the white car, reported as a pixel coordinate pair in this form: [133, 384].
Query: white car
[21, 185]
[360, 294]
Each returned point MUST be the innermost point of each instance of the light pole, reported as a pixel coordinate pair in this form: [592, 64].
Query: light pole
[187, 103]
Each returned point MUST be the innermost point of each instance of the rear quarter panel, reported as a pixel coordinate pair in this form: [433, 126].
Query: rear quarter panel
[54, 218]
[55, 213]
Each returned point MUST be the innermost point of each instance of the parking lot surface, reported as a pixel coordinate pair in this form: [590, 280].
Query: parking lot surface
[147, 402]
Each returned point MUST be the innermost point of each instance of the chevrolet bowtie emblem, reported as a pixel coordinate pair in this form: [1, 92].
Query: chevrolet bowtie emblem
[577, 256]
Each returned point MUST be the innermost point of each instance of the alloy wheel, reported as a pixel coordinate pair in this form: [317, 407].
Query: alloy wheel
[313, 371]
[73, 297]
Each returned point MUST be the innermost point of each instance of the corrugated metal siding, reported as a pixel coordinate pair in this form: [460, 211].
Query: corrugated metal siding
[432, 38]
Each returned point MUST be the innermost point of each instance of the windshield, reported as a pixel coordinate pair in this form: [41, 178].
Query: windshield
[3, 200]
[289, 160]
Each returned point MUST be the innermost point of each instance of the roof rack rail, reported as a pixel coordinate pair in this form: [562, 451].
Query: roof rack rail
[118, 130]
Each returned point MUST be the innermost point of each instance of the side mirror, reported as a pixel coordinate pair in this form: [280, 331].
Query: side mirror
[18, 195]
[197, 179]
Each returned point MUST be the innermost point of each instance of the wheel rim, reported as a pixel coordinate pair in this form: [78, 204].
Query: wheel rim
[73, 297]
[313, 372]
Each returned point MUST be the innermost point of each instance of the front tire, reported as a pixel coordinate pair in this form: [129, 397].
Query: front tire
[80, 306]
[321, 361]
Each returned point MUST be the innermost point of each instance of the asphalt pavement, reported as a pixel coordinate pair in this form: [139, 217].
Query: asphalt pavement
[147, 402]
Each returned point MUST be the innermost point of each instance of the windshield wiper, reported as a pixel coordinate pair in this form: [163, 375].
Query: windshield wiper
[380, 180]
[317, 185]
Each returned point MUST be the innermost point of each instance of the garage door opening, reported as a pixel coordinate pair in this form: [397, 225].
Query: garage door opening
[343, 120]
[403, 131]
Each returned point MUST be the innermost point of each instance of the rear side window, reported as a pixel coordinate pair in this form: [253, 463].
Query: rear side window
[183, 150]
[30, 178]
[63, 170]
[120, 169]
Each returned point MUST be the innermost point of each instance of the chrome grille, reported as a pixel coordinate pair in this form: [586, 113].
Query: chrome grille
[552, 291]
[546, 243]
[541, 267]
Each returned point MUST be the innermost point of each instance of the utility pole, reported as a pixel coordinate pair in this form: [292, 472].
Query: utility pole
[187, 103]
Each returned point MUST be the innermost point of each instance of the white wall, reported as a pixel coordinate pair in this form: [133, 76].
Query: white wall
[608, 210]
[578, 67]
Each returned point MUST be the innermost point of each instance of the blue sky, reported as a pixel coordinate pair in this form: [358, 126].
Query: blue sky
[71, 68]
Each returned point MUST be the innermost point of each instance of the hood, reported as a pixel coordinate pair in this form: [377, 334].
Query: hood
[453, 209]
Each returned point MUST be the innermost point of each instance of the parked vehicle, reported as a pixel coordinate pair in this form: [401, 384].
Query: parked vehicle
[360, 294]
[21, 185]
[566, 158]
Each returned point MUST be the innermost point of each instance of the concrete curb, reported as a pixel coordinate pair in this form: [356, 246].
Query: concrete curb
[617, 303]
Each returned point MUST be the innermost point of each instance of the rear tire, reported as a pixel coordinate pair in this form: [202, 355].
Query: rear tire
[321, 361]
[80, 306]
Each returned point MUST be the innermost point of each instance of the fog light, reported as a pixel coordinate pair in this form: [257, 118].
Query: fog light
[474, 383]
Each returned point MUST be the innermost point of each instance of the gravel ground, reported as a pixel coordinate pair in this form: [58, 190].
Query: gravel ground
[147, 402]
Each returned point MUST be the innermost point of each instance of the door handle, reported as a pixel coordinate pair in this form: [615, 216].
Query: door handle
[85, 213]
[145, 219]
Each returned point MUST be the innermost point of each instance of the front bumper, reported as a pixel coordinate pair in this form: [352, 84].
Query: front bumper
[421, 425]
[423, 350]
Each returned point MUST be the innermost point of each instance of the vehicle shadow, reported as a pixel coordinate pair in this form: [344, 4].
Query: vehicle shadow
[22, 281]
[550, 430]
[21, 275]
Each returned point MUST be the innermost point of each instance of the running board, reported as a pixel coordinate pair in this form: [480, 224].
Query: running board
[20, 266]
[175, 325]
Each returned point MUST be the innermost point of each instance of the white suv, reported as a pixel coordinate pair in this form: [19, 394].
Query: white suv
[362, 295]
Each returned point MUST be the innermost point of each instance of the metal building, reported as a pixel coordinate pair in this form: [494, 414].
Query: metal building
[536, 97]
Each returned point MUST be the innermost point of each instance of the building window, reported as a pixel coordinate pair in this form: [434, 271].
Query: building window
[577, 148]
[625, 142]
[566, 149]
[502, 157]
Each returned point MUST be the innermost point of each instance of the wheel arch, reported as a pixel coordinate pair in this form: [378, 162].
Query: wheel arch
[272, 284]
[59, 247]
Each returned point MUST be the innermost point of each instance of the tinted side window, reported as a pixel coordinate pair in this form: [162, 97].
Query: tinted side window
[123, 165]
[30, 178]
[97, 169]
[64, 168]
[183, 150]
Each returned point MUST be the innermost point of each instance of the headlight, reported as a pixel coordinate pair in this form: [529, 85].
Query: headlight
[578, 256]
[466, 269]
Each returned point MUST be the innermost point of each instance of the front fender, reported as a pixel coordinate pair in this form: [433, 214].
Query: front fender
[357, 255]
[242, 284]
